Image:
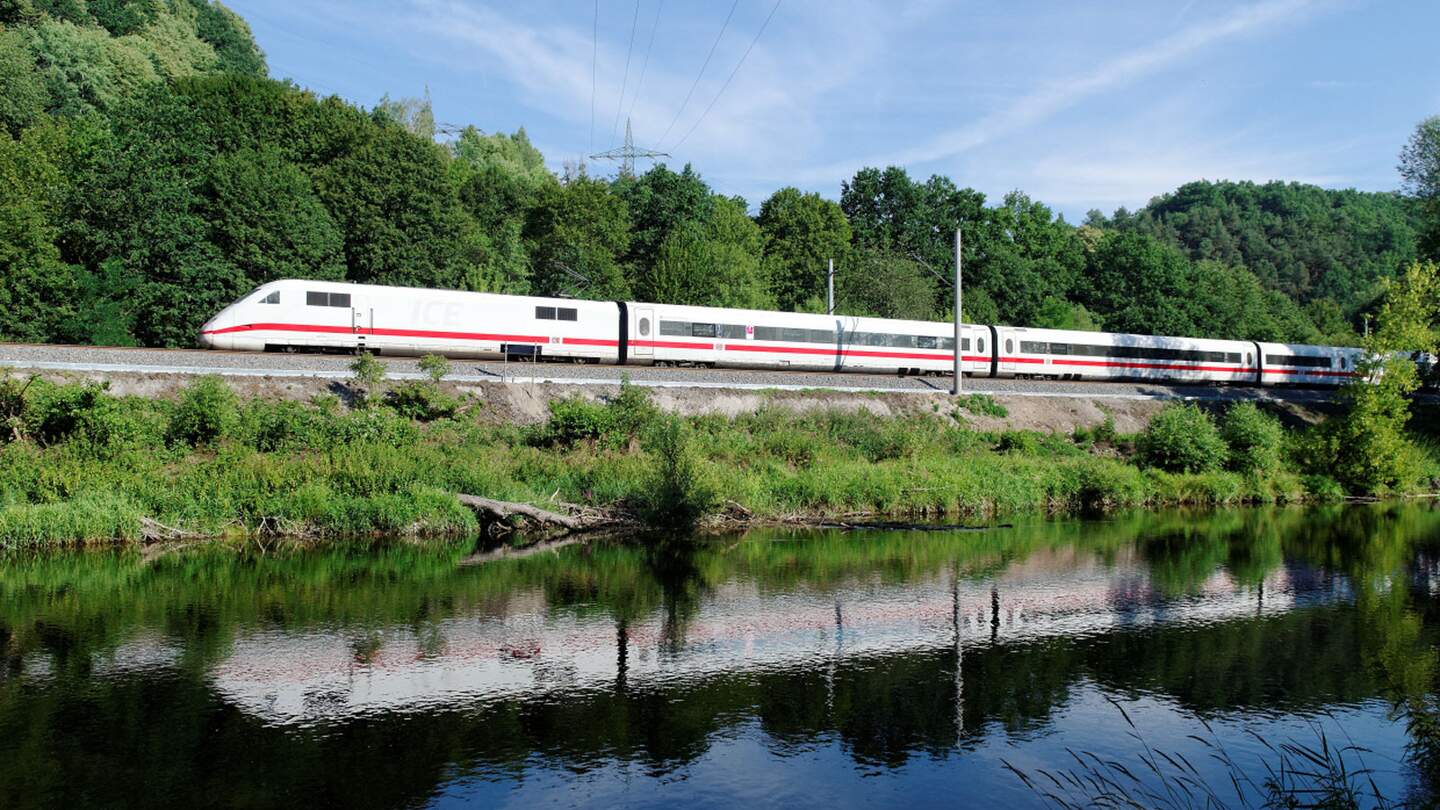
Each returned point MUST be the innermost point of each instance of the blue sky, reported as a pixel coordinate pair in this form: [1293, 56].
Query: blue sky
[1081, 105]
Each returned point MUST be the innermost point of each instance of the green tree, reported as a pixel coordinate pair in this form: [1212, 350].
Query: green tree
[22, 92]
[883, 285]
[37, 289]
[802, 233]
[715, 262]
[400, 217]
[266, 220]
[1368, 450]
[660, 202]
[1137, 284]
[1302, 240]
[1420, 171]
[576, 234]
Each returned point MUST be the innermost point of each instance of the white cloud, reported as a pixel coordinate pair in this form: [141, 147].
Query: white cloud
[1034, 107]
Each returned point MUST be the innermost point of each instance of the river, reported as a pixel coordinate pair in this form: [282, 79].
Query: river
[802, 668]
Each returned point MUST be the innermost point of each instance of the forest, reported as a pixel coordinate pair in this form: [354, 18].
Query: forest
[153, 173]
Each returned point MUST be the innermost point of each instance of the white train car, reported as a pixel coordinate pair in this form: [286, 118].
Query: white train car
[335, 316]
[1064, 354]
[1300, 364]
[708, 336]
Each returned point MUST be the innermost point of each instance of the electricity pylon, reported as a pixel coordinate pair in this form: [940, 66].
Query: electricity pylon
[626, 154]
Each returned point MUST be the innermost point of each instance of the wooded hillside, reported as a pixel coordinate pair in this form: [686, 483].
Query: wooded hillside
[152, 173]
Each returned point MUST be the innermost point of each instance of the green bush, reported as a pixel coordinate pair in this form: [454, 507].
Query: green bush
[676, 494]
[575, 419]
[1182, 438]
[369, 374]
[983, 405]
[610, 424]
[12, 408]
[60, 413]
[1254, 437]
[421, 401]
[208, 412]
[1019, 442]
[435, 366]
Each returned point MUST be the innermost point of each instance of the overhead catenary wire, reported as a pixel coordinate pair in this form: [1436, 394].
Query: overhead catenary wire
[728, 79]
[594, 53]
[645, 64]
[701, 74]
[629, 49]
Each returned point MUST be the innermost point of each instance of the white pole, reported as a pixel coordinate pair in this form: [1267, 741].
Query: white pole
[830, 289]
[959, 297]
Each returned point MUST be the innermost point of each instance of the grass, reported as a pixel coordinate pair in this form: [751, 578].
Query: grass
[1318, 774]
[83, 466]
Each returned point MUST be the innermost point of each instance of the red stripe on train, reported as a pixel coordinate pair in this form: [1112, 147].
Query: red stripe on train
[747, 347]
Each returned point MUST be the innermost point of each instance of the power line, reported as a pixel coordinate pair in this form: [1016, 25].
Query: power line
[763, 25]
[701, 74]
[646, 64]
[594, 51]
[619, 105]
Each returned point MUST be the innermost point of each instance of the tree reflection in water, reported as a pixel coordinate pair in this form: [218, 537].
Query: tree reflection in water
[373, 675]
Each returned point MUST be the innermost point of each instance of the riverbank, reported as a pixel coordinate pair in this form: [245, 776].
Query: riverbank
[79, 465]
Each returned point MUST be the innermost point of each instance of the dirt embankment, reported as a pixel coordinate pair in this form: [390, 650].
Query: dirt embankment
[527, 404]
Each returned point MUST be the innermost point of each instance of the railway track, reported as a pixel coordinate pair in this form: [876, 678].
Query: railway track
[131, 360]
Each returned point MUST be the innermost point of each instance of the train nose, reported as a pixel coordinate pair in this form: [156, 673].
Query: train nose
[209, 337]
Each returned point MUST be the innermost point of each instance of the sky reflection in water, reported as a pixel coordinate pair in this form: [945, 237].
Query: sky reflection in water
[810, 669]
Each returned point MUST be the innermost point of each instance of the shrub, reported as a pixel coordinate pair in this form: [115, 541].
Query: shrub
[1182, 438]
[983, 405]
[62, 412]
[208, 411]
[421, 401]
[12, 408]
[575, 419]
[1254, 437]
[435, 366]
[1020, 442]
[369, 374]
[676, 495]
[632, 409]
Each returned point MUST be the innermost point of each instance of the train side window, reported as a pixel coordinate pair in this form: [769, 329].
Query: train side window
[980, 345]
[545, 313]
[272, 298]
[1009, 346]
[706, 330]
[925, 342]
[1249, 358]
[644, 327]
[340, 300]
[566, 314]
[317, 299]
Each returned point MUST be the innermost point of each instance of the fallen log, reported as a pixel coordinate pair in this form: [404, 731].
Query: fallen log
[500, 513]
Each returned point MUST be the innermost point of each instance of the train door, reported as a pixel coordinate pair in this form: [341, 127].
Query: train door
[1009, 345]
[645, 327]
[362, 322]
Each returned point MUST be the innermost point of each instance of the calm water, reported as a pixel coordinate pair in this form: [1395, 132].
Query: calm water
[831, 670]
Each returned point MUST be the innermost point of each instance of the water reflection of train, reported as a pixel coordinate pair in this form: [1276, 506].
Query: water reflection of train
[525, 650]
[291, 315]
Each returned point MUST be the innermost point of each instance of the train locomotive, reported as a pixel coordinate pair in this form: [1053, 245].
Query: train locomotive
[297, 315]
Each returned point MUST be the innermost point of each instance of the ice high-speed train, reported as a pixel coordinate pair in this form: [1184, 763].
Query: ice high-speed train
[293, 315]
